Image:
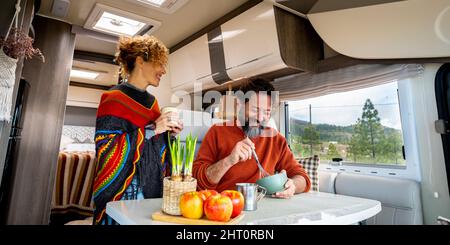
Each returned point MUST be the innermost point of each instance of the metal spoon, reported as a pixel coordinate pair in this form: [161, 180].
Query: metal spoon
[261, 169]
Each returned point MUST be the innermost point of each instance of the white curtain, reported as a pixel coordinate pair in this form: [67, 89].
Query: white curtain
[308, 85]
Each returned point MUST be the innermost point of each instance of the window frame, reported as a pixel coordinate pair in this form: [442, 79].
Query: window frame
[441, 91]
[411, 169]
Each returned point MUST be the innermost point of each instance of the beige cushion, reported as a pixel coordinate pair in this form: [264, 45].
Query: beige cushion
[87, 221]
[400, 198]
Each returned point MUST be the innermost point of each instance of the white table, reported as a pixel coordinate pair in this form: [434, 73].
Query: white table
[307, 208]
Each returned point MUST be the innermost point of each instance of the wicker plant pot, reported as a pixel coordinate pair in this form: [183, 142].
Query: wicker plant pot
[172, 191]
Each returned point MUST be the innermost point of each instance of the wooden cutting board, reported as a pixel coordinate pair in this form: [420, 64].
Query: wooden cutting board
[160, 216]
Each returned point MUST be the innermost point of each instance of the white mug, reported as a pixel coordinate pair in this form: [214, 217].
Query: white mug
[173, 111]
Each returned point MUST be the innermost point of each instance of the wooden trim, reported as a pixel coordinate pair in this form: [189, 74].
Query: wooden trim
[217, 57]
[95, 57]
[342, 61]
[88, 85]
[35, 165]
[6, 14]
[301, 46]
[239, 10]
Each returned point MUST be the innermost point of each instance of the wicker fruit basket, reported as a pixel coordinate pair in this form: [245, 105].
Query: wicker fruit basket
[172, 191]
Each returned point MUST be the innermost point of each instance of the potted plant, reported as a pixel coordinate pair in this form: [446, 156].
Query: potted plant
[189, 161]
[181, 179]
[15, 45]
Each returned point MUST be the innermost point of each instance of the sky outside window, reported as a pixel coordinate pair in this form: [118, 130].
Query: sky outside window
[338, 128]
[343, 109]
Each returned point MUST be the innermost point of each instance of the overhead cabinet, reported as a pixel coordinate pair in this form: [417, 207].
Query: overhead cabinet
[191, 64]
[262, 41]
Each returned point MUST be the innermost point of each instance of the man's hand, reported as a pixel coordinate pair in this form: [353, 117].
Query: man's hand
[242, 151]
[289, 190]
[295, 184]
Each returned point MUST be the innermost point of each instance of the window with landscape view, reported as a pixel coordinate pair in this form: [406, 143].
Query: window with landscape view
[361, 126]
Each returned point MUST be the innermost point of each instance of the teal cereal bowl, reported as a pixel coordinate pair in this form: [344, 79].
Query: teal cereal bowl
[273, 183]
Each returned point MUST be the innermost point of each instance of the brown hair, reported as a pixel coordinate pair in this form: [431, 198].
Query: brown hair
[148, 47]
[257, 85]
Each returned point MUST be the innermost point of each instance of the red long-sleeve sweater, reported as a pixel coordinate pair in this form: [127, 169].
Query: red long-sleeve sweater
[273, 153]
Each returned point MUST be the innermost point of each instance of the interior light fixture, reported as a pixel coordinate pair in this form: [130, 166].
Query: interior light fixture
[84, 74]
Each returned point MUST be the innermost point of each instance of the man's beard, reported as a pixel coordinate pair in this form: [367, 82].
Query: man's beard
[253, 129]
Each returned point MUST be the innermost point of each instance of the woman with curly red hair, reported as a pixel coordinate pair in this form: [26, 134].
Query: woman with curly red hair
[131, 133]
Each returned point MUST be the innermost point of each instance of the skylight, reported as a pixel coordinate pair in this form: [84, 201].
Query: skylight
[117, 22]
[84, 74]
[165, 6]
[153, 2]
[118, 25]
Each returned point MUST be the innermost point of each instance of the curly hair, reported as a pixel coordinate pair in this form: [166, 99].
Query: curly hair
[148, 47]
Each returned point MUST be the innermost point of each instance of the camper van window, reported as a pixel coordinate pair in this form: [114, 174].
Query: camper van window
[356, 127]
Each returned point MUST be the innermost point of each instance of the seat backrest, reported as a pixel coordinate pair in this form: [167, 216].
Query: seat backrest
[197, 123]
[400, 198]
[327, 180]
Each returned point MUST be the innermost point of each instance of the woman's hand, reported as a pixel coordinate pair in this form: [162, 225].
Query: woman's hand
[178, 129]
[167, 122]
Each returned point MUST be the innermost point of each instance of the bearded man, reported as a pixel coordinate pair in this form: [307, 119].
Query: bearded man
[225, 157]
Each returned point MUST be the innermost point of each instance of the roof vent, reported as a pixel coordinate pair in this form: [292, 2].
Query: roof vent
[60, 8]
[117, 22]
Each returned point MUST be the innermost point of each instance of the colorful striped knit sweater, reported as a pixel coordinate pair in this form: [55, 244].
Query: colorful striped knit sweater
[122, 152]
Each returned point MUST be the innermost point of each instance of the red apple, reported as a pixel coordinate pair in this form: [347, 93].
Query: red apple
[207, 193]
[191, 205]
[237, 199]
[218, 208]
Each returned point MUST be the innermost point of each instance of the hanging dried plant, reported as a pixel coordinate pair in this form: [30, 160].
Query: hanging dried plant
[19, 45]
